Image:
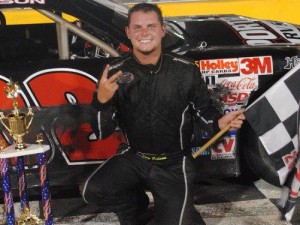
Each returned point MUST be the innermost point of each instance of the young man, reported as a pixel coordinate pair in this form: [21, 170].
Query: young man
[156, 111]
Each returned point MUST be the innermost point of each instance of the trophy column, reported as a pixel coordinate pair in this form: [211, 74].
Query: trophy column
[11, 152]
[8, 198]
[17, 123]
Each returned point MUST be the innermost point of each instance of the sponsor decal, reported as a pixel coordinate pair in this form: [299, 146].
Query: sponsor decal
[210, 81]
[235, 98]
[244, 83]
[231, 108]
[288, 31]
[219, 66]
[260, 65]
[205, 153]
[21, 2]
[252, 32]
[225, 149]
[291, 62]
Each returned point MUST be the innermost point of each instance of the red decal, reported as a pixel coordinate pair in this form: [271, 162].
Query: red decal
[219, 66]
[228, 144]
[80, 148]
[61, 87]
[234, 98]
[256, 65]
[7, 103]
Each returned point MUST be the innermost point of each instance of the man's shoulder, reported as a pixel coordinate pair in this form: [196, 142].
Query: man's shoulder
[119, 62]
[180, 60]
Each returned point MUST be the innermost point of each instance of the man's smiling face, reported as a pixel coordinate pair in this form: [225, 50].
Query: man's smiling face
[145, 32]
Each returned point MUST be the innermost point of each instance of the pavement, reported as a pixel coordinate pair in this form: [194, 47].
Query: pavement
[219, 202]
[251, 206]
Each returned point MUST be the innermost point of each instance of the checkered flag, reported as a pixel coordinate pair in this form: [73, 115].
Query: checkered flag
[274, 118]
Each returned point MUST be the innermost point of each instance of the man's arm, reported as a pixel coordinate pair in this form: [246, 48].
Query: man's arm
[103, 102]
[207, 114]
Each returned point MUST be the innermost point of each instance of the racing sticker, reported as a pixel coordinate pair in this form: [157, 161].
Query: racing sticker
[288, 31]
[238, 97]
[260, 65]
[225, 149]
[244, 83]
[291, 62]
[252, 32]
[219, 66]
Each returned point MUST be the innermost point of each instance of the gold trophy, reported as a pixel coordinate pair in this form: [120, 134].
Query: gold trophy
[18, 122]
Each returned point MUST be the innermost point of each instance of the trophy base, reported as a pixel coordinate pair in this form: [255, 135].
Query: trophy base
[20, 146]
[29, 220]
[12, 151]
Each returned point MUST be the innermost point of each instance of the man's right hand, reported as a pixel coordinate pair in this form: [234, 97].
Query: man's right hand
[107, 86]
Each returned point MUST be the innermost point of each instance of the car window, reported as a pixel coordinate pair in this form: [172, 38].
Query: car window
[28, 42]
[175, 36]
[46, 41]
[82, 48]
[25, 42]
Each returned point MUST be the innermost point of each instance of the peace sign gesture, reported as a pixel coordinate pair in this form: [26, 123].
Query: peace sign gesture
[107, 86]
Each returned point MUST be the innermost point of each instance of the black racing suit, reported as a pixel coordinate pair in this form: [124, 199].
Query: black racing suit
[156, 112]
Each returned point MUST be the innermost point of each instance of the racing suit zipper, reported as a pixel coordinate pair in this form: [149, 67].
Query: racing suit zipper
[150, 102]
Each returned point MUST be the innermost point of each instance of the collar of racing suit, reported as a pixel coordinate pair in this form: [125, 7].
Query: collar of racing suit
[154, 69]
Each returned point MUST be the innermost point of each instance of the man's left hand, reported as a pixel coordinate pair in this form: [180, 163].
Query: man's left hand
[235, 119]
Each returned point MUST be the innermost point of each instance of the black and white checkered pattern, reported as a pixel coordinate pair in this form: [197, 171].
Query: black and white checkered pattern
[274, 119]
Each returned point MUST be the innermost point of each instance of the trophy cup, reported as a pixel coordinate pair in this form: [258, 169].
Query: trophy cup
[18, 125]
[18, 122]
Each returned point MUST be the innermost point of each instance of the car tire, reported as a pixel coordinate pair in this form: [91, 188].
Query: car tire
[255, 157]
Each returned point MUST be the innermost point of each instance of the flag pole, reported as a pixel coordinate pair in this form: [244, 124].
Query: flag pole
[211, 141]
[219, 134]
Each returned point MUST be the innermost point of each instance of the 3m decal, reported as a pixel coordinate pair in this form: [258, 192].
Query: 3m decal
[262, 65]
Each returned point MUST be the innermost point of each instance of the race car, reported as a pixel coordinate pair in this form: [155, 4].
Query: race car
[57, 66]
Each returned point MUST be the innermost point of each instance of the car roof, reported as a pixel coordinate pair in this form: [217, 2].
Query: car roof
[111, 16]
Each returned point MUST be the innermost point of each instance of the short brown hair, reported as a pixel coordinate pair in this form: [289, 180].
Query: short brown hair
[145, 7]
